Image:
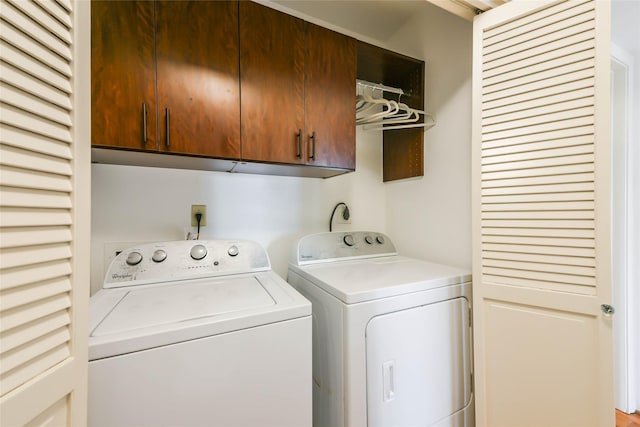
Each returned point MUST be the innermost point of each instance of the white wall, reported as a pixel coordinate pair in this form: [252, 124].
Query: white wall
[430, 217]
[140, 204]
[427, 217]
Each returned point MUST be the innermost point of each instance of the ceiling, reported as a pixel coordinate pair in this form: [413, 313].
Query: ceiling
[380, 19]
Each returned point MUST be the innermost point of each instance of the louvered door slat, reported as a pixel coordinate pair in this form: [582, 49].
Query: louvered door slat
[20, 276]
[34, 143]
[38, 162]
[554, 42]
[31, 20]
[57, 11]
[584, 253]
[562, 205]
[26, 236]
[29, 84]
[35, 330]
[23, 295]
[556, 241]
[529, 82]
[16, 197]
[14, 358]
[25, 178]
[21, 119]
[552, 14]
[32, 104]
[16, 257]
[23, 217]
[47, 58]
[553, 90]
[30, 65]
[36, 365]
[33, 310]
[545, 106]
[539, 189]
[560, 151]
[579, 52]
[490, 151]
[538, 180]
[531, 213]
[539, 258]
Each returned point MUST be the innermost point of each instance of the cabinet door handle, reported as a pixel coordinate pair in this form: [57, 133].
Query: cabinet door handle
[144, 122]
[168, 143]
[313, 146]
[299, 138]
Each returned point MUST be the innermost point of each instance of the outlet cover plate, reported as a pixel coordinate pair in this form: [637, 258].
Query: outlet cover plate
[198, 209]
[340, 214]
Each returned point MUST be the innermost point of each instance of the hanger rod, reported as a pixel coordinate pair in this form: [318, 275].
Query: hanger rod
[380, 86]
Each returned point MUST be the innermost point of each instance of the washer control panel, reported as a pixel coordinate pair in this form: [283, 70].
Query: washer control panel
[185, 259]
[324, 247]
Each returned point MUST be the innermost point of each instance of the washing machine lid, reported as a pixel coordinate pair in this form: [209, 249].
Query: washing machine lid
[355, 281]
[141, 317]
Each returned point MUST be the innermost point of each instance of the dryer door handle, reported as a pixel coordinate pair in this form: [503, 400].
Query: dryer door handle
[388, 386]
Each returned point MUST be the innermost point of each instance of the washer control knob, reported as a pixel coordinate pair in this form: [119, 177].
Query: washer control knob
[233, 251]
[368, 239]
[134, 258]
[380, 239]
[349, 240]
[198, 252]
[159, 255]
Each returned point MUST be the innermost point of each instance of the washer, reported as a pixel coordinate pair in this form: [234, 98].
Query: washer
[198, 333]
[391, 334]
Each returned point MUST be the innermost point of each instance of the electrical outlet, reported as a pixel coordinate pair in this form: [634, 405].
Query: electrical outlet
[198, 209]
[340, 214]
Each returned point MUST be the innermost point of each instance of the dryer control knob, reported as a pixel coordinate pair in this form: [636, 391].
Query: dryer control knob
[380, 240]
[349, 240]
[233, 251]
[198, 252]
[159, 255]
[368, 239]
[134, 258]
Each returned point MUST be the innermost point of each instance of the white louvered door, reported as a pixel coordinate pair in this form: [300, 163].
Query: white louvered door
[543, 347]
[44, 211]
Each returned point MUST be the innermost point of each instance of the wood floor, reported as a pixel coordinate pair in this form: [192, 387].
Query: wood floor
[625, 420]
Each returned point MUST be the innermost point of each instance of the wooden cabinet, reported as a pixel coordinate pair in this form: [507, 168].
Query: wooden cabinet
[123, 75]
[219, 82]
[298, 89]
[192, 64]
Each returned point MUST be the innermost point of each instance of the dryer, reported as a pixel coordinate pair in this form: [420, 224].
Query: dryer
[198, 333]
[391, 334]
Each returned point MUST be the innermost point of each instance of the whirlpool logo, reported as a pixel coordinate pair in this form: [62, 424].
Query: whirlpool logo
[116, 276]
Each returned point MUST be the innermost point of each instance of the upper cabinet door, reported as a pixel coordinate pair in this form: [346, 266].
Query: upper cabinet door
[198, 87]
[541, 228]
[123, 96]
[272, 79]
[330, 87]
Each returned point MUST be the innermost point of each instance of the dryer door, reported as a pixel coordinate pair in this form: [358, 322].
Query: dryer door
[419, 365]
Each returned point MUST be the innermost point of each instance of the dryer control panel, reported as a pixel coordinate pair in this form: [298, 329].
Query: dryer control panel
[334, 246]
[185, 259]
